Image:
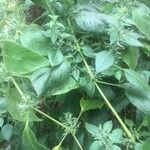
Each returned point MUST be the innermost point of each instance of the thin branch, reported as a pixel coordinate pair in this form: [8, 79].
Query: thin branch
[129, 134]
[19, 89]
[50, 118]
[111, 84]
[62, 140]
[77, 141]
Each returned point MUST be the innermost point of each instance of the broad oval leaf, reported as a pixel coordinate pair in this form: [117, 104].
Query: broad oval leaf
[96, 145]
[68, 85]
[136, 79]
[92, 129]
[88, 104]
[116, 136]
[17, 109]
[139, 97]
[88, 51]
[39, 79]
[130, 57]
[54, 81]
[55, 57]
[103, 61]
[94, 21]
[87, 85]
[34, 39]
[142, 19]
[107, 127]
[19, 60]
[30, 141]
[131, 39]
[90, 21]
[7, 132]
[60, 81]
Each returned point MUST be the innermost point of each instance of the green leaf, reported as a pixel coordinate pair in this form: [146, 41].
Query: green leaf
[55, 57]
[93, 21]
[138, 146]
[59, 74]
[19, 60]
[96, 145]
[92, 129]
[142, 19]
[88, 51]
[88, 104]
[76, 74]
[87, 85]
[60, 81]
[103, 61]
[1, 122]
[116, 136]
[7, 132]
[90, 21]
[107, 127]
[17, 108]
[115, 147]
[53, 81]
[30, 141]
[145, 75]
[139, 97]
[113, 71]
[146, 144]
[33, 39]
[68, 85]
[147, 47]
[130, 57]
[3, 106]
[131, 39]
[39, 80]
[136, 79]
[114, 35]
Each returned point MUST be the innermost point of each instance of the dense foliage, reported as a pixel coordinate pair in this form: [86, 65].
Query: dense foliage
[74, 74]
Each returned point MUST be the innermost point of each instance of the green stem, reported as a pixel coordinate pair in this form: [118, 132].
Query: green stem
[107, 83]
[115, 113]
[118, 67]
[50, 9]
[50, 118]
[79, 115]
[109, 104]
[77, 141]
[100, 91]
[19, 89]
[23, 96]
[62, 125]
[140, 126]
[40, 17]
[47, 116]
[62, 140]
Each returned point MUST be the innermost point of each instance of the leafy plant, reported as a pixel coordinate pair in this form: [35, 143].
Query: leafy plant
[88, 60]
[105, 137]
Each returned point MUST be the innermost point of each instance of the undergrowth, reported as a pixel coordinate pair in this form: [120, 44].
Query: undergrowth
[74, 75]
